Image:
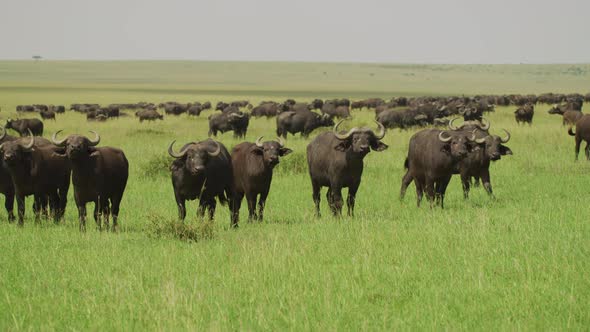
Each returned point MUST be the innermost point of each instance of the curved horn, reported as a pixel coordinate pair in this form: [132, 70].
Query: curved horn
[444, 140]
[3, 133]
[259, 141]
[96, 138]
[381, 132]
[237, 115]
[174, 154]
[55, 141]
[218, 150]
[485, 126]
[345, 136]
[451, 126]
[280, 140]
[476, 140]
[29, 146]
[505, 140]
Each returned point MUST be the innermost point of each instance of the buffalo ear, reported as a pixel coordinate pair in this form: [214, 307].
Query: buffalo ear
[284, 151]
[504, 150]
[379, 146]
[446, 148]
[257, 151]
[343, 146]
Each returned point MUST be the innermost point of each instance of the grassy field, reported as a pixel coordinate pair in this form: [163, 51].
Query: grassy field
[517, 262]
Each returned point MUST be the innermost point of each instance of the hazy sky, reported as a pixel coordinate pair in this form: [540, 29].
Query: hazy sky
[441, 31]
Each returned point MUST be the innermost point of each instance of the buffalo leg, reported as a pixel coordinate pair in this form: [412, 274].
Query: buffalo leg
[406, 180]
[251, 200]
[419, 191]
[578, 142]
[466, 181]
[55, 207]
[487, 184]
[316, 197]
[442, 189]
[235, 211]
[261, 204]
[181, 203]
[587, 150]
[20, 203]
[97, 214]
[351, 199]
[115, 206]
[9, 205]
[81, 214]
[429, 187]
[337, 201]
[105, 211]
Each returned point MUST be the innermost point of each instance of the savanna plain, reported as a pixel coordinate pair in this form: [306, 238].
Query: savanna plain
[517, 262]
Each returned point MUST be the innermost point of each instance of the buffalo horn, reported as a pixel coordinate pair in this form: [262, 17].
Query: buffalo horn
[3, 134]
[343, 136]
[444, 140]
[218, 150]
[381, 132]
[29, 146]
[451, 126]
[55, 141]
[237, 115]
[505, 140]
[280, 140]
[96, 138]
[174, 154]
[259, 141]
[485, 126]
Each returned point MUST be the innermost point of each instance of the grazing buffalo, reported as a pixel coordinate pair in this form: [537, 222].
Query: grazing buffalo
[336, 109]
[36, 169]
[253, 164]
[149, 115]
[524, 114]
[195, 109]
[201, 170]
[57, 108]
[301, 122]
[241, 103]
[226, 121]
[26, 126]
[221, 106]
[269, 109]
[582, 134]
[99, 175]
[433, 156]
[335, 161]
[570, 116]
[47, 115]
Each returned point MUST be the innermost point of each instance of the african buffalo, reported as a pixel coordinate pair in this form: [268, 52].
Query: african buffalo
[99, 175]
[524, 114]
[570, 116]
[433, 156]
[335, 161]
[252, 165]
[35, 169]
[582, 134]
[301, 122]
[6, 186]
[148, 115]
[201, 170]
[26, 126]
[236, 122]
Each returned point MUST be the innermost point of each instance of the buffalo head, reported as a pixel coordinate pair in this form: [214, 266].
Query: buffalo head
[271, 151]
[14, 151]
[77, 146]
[361, 140]
[493, 145]
[195, 155]
[456, 143]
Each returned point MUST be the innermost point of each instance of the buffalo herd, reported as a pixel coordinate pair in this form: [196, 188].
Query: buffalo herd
[206, 170]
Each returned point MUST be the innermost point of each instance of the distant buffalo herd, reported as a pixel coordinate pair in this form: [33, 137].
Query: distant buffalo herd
[207, 171]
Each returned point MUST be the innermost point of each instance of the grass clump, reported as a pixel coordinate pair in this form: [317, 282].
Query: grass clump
[295, 163]
[165, 227]
[157, 166]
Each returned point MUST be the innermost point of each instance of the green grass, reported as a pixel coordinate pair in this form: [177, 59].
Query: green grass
[517, 262]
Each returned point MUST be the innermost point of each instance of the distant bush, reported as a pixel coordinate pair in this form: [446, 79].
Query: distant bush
[162, 227]
[295, 163]
[147, 132]
[157, 166]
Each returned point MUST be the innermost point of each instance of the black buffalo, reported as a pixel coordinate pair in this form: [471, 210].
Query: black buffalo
[201, 170]
[301, 122]
[26, 126]
[582, 134]
[253, 164]
[99, 175]
[335, 161]
[229, 121]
